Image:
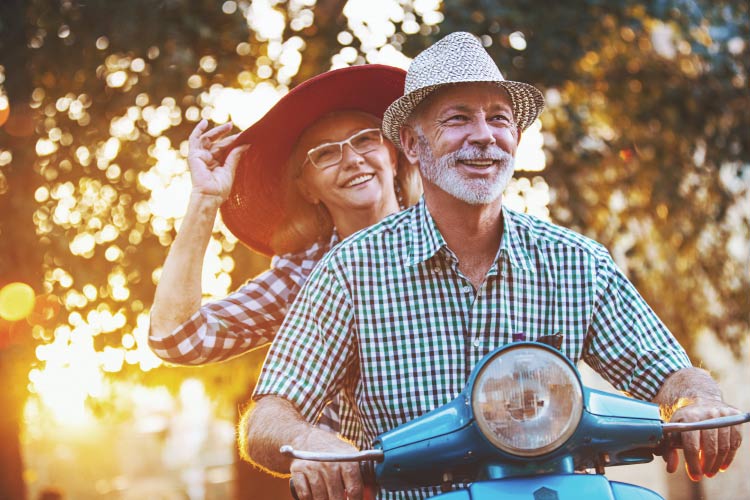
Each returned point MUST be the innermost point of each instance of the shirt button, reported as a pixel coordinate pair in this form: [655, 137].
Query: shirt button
[466, 289]
[477, 342]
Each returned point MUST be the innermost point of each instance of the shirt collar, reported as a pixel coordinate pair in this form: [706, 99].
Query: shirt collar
[512, 242]
[427, 241]
[335, 238]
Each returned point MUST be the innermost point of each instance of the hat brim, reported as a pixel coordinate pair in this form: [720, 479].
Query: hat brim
[255, 207]
[527, 101]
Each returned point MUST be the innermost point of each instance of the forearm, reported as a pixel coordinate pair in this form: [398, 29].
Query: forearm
[684, 387]
[178, 293]
[272, 423]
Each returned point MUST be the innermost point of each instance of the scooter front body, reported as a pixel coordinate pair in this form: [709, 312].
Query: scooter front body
[552, 487]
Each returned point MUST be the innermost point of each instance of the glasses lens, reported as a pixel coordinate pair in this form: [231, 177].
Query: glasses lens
[362, 142]
[366, 141]
[325, 155]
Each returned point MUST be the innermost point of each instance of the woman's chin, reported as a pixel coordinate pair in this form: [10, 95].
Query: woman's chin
[363, 198]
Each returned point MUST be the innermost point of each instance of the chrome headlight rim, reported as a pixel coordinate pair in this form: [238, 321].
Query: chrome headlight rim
[575, 416]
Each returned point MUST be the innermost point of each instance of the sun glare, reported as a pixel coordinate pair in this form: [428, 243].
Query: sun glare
[102, 220]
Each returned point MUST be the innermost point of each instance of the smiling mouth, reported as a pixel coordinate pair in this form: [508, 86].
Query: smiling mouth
[360, 179]
[478, 163]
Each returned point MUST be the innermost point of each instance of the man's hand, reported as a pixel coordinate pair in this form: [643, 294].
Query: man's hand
[690, 395]
[211, 168]
[274, 422]
[708, 451]
[325, 480]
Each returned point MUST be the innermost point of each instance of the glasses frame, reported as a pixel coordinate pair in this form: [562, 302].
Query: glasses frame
[340, 144]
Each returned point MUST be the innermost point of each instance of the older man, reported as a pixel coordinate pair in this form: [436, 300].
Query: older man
[397, 315]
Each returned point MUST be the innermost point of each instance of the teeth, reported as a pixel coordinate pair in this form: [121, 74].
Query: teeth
[478, 163]
[359, 180]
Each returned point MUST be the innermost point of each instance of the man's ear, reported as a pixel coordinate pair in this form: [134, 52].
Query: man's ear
[409, 143]
[306, 192]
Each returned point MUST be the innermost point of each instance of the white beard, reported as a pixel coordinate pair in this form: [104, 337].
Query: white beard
[443, 172]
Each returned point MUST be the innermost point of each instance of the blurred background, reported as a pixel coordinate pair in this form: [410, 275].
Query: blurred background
[644, 146]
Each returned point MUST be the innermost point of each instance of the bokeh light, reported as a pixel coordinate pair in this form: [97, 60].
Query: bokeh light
[108, 158]
[16, 301]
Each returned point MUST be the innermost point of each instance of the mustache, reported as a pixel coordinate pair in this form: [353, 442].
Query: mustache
[491, 152]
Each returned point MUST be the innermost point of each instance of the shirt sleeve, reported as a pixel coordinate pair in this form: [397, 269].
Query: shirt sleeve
[628, 344]
[315, 348]
[246, 319]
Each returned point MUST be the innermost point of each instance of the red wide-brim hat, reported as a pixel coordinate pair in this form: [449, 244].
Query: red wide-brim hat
[255, 207]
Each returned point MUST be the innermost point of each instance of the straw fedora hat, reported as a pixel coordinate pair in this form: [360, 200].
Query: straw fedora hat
[457, 58]
[256, 205]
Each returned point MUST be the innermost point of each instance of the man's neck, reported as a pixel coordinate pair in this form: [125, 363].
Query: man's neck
[472, 232]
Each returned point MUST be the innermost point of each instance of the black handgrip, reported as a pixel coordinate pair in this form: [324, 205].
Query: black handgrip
[669, 441]
[366, 469]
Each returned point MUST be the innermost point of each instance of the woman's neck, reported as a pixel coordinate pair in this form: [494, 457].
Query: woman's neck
[349, 221]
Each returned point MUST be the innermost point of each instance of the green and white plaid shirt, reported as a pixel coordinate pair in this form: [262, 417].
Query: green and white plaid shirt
[388, 317]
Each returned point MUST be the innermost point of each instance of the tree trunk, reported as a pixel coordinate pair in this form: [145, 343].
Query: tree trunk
[11, 402]
[20, 258]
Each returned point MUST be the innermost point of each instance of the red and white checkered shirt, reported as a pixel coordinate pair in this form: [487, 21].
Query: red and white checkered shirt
[246, 319]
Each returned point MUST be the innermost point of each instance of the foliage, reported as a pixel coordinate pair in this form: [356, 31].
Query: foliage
[645, 135]
[108, 93]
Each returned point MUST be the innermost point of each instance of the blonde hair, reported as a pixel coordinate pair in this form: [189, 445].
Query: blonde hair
[305, 222]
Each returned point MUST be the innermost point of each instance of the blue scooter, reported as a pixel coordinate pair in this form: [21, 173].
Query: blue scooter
[524, 427]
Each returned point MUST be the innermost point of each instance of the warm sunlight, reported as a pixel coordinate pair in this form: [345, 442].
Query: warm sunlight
[641, 147]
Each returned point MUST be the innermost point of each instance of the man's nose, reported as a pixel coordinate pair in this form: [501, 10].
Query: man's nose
[481, 133]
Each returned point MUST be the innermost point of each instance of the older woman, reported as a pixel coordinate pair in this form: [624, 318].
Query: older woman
[314, 170]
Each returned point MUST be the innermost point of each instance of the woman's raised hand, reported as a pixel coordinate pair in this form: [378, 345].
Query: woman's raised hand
[207, 148]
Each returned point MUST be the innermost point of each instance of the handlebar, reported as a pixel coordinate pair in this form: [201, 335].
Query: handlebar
[367, 458]
[713, 423]
[673, 430]
[374, 455]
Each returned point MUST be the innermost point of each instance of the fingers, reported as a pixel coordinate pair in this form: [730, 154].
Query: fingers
[233, 158]
[672, 458]
[722, 450]
[318, 487]
[308, 483]
[709, 450]
[334, 484]
[218, 131]
[197, 131]
[301, 488]
[691, 450]
[352, 480]
[226, 141]
[210, 140]
[735, 441]
[326, 481]
[203, 155]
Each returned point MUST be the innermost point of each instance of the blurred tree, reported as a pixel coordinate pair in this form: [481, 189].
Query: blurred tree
[645, 135]
[646, 139]
[102, 97]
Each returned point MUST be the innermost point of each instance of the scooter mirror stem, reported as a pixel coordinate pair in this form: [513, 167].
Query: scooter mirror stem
[374, 455]
[713, 423]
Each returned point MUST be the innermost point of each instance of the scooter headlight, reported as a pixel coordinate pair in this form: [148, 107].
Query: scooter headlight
[527, 401]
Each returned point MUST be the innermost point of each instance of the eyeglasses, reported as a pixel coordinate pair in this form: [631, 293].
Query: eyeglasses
[328, 154]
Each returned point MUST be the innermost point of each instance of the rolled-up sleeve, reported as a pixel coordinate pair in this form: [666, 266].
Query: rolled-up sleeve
[627, 343]
[315, 347]
[246, 319]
